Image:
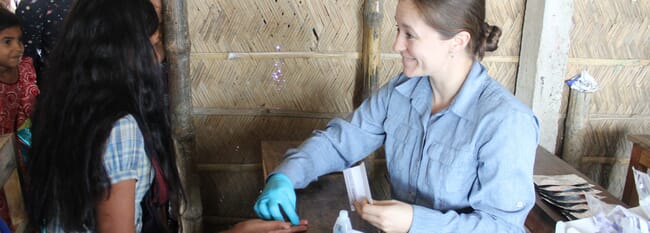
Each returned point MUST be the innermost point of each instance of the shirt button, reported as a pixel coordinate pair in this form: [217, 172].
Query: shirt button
[520, 204]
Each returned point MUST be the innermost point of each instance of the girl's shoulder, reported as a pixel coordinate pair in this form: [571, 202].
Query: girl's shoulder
[26, 71]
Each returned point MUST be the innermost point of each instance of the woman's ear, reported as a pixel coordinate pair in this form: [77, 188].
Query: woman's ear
[461, 40]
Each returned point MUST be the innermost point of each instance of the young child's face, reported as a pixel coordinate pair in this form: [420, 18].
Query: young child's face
[11, 47]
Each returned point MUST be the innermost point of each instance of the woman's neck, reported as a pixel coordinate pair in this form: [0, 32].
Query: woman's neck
[446, 86]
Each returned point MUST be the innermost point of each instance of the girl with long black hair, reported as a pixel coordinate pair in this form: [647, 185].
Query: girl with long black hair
[102, 158]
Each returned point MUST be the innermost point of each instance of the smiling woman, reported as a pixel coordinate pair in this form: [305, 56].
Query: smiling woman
[455, 139]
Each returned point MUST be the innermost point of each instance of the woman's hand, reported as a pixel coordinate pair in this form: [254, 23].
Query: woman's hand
[389, 216]
[261, 226]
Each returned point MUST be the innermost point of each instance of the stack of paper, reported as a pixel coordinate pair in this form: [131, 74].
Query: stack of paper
[566, 193]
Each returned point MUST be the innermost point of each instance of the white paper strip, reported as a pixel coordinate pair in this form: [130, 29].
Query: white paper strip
[356, 183]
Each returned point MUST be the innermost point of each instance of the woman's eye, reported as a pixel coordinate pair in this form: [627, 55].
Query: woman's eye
[409, 36]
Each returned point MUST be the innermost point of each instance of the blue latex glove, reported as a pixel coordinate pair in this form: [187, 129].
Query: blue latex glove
[277, 193]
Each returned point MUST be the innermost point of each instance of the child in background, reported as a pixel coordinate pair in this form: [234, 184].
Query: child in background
[17, 77]
[18, 88]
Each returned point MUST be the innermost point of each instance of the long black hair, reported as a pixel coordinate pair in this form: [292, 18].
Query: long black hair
[102, 68]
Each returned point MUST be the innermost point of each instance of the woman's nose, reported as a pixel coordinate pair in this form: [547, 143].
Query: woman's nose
[398, 44]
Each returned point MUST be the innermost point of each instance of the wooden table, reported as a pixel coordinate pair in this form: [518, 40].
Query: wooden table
[542, 217]
[321, 200]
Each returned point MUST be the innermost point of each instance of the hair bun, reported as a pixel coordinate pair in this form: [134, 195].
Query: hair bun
[490, 39]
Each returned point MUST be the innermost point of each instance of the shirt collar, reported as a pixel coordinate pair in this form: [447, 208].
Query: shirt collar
[467, 98]
[418, 90]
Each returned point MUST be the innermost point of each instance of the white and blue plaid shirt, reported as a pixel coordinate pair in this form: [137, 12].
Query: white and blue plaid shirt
[125, 159]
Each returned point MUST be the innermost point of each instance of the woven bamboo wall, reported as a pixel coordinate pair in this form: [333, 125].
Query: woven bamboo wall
[616, 52]
[237, 103]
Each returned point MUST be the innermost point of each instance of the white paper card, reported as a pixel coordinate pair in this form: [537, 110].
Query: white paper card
[356, 183]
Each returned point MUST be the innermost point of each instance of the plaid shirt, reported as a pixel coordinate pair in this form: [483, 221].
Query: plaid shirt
[125, 159]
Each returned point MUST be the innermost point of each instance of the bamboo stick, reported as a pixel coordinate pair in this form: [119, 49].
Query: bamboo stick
[604, 160]
[177, 48]
[229, 167]
[354, 55]
[273, 55]
[267, 112]
[367, 84]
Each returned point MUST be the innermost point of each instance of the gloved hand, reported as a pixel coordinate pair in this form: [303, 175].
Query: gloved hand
[277, 193]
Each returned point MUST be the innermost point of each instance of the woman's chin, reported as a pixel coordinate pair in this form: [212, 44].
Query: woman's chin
[411, 73]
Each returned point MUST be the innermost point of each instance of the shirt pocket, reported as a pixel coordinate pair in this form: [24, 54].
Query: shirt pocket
[400, 143]
[453, 169]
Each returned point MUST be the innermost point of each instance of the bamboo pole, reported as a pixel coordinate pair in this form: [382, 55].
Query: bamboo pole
[371, 57]
[177, 49]
[267, 112]
[574, 133]
[373, 16]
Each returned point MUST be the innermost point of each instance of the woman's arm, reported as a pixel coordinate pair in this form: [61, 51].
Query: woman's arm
[116, 212]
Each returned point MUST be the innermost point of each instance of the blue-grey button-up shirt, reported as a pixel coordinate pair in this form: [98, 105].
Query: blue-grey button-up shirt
[467, 168]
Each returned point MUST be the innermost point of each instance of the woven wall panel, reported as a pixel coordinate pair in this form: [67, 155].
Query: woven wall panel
[612, 29]
[389, 69]
[236, 139]
[607, 137]
[598, 172]
[389, 26]
[623, 89]
[260, 25]
[504, 72]
[507, 14]
[230, 194]
[311, 85]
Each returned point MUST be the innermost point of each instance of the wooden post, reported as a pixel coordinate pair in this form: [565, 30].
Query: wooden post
[177, 49]
[574, 128]
[371, 59]
[543, 60]
[373, 16]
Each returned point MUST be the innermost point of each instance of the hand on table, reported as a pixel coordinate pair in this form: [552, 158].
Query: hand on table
[277, 193]
[389, 216]
[261, 226]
